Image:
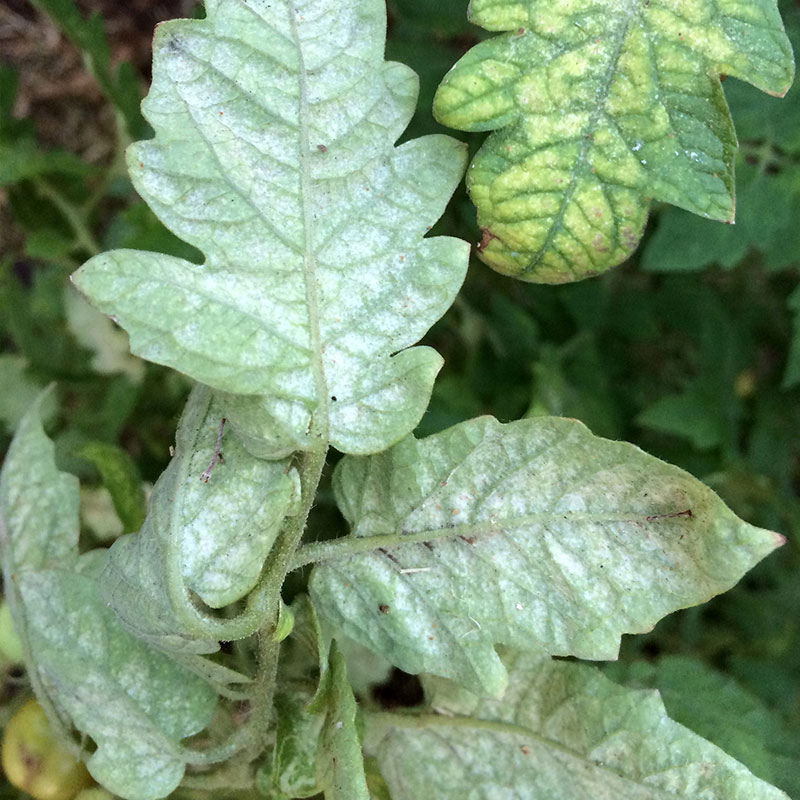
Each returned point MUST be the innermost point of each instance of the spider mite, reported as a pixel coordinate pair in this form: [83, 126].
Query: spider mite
[217, 455]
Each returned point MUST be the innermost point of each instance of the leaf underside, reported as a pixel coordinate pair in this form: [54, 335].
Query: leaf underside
[562, 731]
[274, 155]
[135, 703]
[210, 537]
[38, 503]
[535, 534]
[599, 107]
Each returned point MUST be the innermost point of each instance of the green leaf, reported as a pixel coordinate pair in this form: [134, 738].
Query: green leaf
[207, 531]
[97, 333]
[23, 159]
[764, 210]
[135, 703]
[692, 414]
[536, 534]
[562, 731]
[714, 706]
[340, 759]
[121, 477]
[294, 766]
[38, 504]
[602, 106]
[792, 375]
[274, 155]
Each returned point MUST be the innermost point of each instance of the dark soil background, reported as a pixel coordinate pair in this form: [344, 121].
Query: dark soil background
[55, 90]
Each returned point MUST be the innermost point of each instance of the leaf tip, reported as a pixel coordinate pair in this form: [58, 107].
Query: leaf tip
[778, 539]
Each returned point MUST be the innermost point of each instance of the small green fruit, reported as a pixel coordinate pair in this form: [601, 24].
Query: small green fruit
[36, 762]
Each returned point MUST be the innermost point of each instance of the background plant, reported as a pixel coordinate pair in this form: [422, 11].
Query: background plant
[707, 383]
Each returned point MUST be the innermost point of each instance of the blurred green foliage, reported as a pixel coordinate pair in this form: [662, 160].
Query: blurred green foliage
[690, 350]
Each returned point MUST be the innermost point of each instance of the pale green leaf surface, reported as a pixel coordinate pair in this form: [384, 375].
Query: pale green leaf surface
[99, 516]
[208, 537]
[274, 155]
[97, 333]
[341, 763]
[535, 534]
[20, 391]
[294, 767]
[38, 503]
[715, 706]
[603, 105]
[135, 703]
[562, 731]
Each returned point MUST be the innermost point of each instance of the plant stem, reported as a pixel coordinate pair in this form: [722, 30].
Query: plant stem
[353, 545]
[281, 560]
[83, 236]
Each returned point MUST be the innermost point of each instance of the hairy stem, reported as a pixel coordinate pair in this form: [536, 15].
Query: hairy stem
[280, 564]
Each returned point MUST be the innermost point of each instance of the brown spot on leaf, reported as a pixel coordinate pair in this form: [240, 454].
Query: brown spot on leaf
[629, 238]
[487, 237]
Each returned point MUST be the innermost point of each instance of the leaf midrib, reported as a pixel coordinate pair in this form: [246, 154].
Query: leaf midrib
[434, 722]
[320, 416]
[587, 139]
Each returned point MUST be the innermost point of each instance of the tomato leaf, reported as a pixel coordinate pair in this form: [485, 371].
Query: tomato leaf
[274, 155]
[535, 534]
[599, 107]
[562, 731]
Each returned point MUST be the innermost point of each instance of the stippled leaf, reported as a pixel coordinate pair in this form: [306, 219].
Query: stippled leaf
[341, 762]
[715, 706]
[562, 731]
[535, 534]
[317, 745]
[602, 106]
[274, 155]
[135, 703]
[38, 503]
[294, 766]
[207, 531]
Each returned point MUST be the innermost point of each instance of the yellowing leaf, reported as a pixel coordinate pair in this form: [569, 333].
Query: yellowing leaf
[601, 106]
